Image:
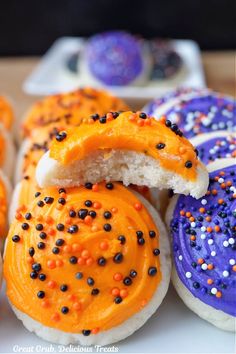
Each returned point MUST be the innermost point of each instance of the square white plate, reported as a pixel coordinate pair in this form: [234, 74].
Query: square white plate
[50, 76]
[173, 329]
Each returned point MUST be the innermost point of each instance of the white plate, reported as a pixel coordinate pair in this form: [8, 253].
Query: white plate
[50, 75]
[173, 329]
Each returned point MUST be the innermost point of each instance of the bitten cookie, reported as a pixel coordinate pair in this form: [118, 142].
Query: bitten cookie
[86, 267]
[129, 147]
[204, 249]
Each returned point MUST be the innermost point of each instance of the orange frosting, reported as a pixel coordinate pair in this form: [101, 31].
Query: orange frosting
[6, 113]
[70, 108]
[3, 210]
[2, 149]
[129, 132]
[97, 275]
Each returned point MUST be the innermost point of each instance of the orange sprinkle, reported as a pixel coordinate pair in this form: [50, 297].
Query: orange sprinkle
[182, 212]
[104, 245]
[138, 206]
[209, 281]
[132, 117]
[148, 122]
[89, 261]
[208, 218]
[140, 122]
[18, 216]
[67, 248]
[97, 205]
[222, 173]
[51, 232]
[223, 186]
[200, 260]
[88, 220]
[202, 210]
[55, 317]
[210, 266]
[48, 219]
[123, 293]
[95, 330]
[220, 201]
[59, 262]
[229, 183]
[76, 247]
[51, 264]
[68, 220]
[219, 294]
[85, 254]
[63, 195]
[81, 261]
[117, 276]
[234, 268]
[193, 238]
[95, 187]
[192, 219]
[76, 306]
[214, 192]
[51, 284]
[71, 297]
[217, 228]
[188, 214]
[115, 291]
[209, 229]
[45, 303]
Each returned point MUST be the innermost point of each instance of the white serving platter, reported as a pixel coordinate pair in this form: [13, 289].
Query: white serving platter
[173, 329]
[50, 75]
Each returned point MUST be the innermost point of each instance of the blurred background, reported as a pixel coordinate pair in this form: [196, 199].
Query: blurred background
[29, 27]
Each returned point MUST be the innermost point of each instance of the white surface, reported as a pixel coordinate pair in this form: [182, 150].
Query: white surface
[50, 76]
[173, 329]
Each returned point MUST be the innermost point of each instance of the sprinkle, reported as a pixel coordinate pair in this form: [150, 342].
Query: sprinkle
[188, 275]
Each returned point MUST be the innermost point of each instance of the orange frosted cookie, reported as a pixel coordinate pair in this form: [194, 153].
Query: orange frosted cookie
[70, 108]
[4, 199]
[86, 265]
[130, 147]
[6, 113]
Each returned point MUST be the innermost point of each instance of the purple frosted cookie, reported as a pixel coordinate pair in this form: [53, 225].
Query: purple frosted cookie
[114, 58]
[213, 146]
[203, 235]
[197, 113]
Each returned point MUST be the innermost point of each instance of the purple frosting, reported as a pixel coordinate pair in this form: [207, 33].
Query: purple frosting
[217, 148]
[201, 114]
[204, 248]
[115, 58]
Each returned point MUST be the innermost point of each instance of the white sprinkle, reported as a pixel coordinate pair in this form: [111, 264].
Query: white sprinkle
[213, 253]
[225, 243]
[211, 151]
[210, 242]
[203, 236]
[204, 266]
[232, 261]
[225, 273]
[180, 258]
[203, 228]
[231, 241]
[193, 224]
[221, 180]
[203, 201]
[188, 275]
[213, 291]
